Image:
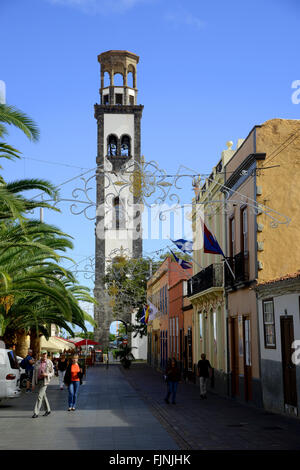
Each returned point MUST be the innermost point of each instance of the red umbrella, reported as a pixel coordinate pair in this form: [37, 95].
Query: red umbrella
[84, 342]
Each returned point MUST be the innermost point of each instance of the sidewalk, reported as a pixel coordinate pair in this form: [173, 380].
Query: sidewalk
[216, 423]
[110, 415]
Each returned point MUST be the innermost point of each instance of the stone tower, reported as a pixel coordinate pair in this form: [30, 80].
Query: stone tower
[118, 220]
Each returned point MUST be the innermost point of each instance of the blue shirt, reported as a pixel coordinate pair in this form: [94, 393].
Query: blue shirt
[29, 366]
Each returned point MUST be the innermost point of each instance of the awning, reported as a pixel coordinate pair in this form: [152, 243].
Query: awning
[55, 344]
[83, 342]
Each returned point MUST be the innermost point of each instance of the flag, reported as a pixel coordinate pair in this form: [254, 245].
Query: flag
[145, 315]
[184, 264]
[210, 243]
[152, 311]
[183, 245]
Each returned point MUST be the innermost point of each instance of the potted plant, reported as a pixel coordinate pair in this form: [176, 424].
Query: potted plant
[125, 355]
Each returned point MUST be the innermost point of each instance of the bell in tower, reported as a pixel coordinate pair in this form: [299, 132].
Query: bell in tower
[118, 221]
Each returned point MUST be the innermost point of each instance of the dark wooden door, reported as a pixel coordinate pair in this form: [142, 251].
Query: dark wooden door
[247, 358]
[288, 368]
[234, 353]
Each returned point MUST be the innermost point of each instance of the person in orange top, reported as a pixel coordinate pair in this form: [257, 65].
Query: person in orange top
[73, 378]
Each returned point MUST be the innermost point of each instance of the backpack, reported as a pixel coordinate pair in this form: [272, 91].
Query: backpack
[23, 363]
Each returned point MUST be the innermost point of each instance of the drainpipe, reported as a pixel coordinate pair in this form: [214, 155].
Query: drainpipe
[256, 277]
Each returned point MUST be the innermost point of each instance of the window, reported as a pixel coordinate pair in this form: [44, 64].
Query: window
[119, 98]
[131, 100]
[105, 99]
[166, 299]
[125, 146]
[244, 230]
[112, 145]
[190, 349]
[177, 338]
[170, 336]
[247, 342]
[232, 237]
[173, 328]
[269, 323]
[184, 288]
[200, 325]
[119, 215]
[215, 326]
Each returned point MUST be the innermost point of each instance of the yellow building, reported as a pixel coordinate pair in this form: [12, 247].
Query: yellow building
[263, 234]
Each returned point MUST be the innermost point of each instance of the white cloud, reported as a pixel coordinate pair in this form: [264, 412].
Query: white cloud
[182, 17]
[100, 6]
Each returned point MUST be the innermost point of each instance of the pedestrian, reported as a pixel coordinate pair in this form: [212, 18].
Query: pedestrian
[73, 378]
[173, 377]
[62, 364]
[42, 374]
[29, 366]
[204, 369]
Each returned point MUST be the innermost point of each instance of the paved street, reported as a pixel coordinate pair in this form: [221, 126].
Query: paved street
[110, 415]
[124, 410]
[216, 423]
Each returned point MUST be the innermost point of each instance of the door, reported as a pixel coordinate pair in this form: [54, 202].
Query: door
[247, 359]
[234, 352]
[288, 368]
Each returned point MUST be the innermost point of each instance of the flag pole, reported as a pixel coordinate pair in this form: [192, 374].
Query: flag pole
[225, 259]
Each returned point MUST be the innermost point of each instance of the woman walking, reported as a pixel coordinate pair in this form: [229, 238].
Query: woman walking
[73, 378]
[61, 369]
[173, 377]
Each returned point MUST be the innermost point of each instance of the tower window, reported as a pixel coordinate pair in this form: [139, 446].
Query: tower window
[105, 99]
[131, 99]
[119, 98]
[125, 146]
[119, 214]
[112, 145]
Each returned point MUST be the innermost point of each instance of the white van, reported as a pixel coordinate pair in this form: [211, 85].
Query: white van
[9, 375]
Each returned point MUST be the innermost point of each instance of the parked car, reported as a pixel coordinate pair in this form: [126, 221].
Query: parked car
[23, 375]
[9, 375]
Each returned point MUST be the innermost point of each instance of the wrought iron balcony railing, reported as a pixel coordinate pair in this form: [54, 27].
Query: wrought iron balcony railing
[212, 276]
[239, 265]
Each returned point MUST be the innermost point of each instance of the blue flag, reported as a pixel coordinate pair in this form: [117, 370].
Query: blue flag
[184, 264]
[183, 245]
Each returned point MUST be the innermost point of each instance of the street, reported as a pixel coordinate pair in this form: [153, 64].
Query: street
[124, 410]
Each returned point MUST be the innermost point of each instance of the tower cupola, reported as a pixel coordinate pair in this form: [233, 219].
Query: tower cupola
[123, 63]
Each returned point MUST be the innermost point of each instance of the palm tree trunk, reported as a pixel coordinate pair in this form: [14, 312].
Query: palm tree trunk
[22, 343]
[35, 343]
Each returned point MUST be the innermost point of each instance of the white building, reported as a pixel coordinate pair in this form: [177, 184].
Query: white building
[279, 335]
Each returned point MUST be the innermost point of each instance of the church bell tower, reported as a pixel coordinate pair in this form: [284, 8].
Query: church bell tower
[118, 218]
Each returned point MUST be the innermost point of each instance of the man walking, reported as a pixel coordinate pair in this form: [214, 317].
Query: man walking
[204, 368]
[42, 374]
[29, 366]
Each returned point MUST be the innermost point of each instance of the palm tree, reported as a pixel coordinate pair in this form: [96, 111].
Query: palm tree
[30, 273]
[35, 290]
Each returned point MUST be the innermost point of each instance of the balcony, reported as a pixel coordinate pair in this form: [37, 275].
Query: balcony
[240, 267]
[210, 277]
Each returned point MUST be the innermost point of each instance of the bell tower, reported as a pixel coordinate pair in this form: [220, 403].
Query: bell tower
[118, 218]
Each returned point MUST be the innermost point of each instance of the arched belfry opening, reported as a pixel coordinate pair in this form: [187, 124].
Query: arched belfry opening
[118, 151]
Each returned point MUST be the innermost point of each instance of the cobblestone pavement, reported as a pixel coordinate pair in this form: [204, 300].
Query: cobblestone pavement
[216, 423]
[110, 415]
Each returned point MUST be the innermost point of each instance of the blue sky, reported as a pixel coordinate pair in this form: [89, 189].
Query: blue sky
[208, 72]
